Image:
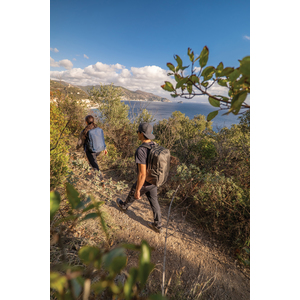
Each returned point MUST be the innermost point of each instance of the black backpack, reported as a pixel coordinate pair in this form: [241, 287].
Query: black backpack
[158, 164]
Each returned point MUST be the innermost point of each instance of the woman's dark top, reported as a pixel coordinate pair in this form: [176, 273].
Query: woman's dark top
[83, 136]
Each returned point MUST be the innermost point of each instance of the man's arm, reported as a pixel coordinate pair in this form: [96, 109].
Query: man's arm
[141, 180]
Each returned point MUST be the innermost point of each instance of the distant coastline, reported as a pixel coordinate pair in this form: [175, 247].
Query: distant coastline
[146, 101]
[189, 109]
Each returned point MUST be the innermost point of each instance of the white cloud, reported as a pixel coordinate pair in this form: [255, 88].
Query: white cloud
[85, 56]
[67, 64]
[247, 37]
[148, 78]
[53, 63]
[54, 50]
[74, 59]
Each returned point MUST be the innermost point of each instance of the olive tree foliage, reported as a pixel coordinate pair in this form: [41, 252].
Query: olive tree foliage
[112, 110]
[202, 78]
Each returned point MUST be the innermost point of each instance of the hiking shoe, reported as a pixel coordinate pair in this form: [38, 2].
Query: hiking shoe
[120, 203]
[154, 227]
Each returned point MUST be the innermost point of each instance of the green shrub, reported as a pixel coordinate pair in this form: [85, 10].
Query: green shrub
[217, 202]
[172, 133]
[75, 110]
[59, 156]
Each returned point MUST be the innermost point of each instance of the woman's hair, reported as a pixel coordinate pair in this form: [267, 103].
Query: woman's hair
[89, 119]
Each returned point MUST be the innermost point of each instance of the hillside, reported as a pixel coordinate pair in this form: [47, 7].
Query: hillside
[81, 92]
[130, 95]
[68, 89]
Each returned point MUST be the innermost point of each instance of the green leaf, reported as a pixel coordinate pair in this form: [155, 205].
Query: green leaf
[208, 72]
[72, 195]
[99, 286]
[58, 282]
[181, 82]
[133, 274]
[179, 61]
[245, 66]
[145, 266]
[214, 102]
[191, 54]
[183, 68]
[145, 256]
[66, 219]
[90, 216]
[89, 255]
[91, 206]
[205, 84]
[222, 82]
[168, 86]
[237, 101]
[174, 95]
[118, 264]
[227, 113]
[234, 75]
[204, 57]
[219, 69]
[115, 260]
[83, 203]
[76, 286]
[171, 67]
[211, 115]
[226, 99]
[194, 78]
[190, 88]
[114, 288]
[226, 71]
[177, 77]
[54, 203]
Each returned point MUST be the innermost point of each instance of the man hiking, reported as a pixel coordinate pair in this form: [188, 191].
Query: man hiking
[141, 186]
[93, 143]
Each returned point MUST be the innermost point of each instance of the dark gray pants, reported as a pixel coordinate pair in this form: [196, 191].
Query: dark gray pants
[92, 158]
[151, 193]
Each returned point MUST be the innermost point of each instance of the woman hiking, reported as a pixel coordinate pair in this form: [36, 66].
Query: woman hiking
[91, 139]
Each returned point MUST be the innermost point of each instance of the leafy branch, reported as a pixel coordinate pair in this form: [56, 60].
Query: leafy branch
[237, 80]
[60, 135]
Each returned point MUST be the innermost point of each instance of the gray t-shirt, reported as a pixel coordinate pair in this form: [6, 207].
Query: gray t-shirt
[141, 155]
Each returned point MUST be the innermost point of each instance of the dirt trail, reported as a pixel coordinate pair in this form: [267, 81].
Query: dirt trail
[192, 256]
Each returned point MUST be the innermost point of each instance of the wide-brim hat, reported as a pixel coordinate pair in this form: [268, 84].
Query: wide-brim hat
[147, 130]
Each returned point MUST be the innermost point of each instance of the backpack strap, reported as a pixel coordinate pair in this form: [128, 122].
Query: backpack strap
[146, 145]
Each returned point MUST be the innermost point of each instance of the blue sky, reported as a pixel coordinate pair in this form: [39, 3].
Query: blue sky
[130, 42]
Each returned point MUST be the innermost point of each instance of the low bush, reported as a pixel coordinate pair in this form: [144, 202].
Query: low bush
[75, 111]
[214, 174]
[59, 148]
[216, 202]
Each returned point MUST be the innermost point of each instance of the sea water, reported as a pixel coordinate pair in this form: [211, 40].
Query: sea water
[164, 110]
